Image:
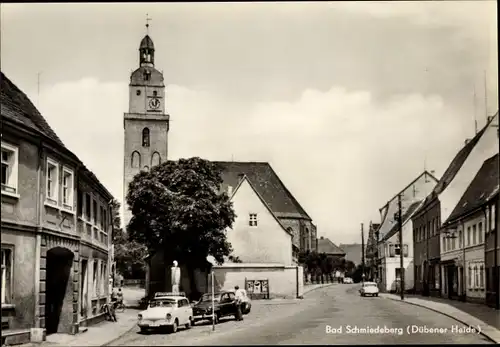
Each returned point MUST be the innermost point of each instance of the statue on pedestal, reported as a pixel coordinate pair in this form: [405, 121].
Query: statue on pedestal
[176, 277]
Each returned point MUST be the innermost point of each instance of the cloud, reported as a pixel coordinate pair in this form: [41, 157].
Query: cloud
[341, 153]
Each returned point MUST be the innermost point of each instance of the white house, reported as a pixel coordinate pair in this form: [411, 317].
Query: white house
[388, 246]
[257, 235]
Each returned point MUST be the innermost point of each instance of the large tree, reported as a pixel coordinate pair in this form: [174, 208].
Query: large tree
[177, 208]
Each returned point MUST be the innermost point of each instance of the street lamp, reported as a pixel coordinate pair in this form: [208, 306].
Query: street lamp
[211, 260]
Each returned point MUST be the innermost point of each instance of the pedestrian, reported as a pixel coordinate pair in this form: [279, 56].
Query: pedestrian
[239, 301]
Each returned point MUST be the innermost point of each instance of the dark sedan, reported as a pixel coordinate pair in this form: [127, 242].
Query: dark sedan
[224, 306]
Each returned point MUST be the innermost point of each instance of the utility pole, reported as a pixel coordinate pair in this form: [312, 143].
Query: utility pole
[401, 248]
[362, 254]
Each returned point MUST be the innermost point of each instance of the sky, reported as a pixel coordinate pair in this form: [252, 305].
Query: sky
[348, 101]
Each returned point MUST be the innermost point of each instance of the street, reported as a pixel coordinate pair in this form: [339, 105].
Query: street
[306, 322]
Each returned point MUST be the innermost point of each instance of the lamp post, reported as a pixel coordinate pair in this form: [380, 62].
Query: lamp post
[211, 260]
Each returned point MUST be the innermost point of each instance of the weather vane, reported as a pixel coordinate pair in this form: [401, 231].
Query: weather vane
[147, 23]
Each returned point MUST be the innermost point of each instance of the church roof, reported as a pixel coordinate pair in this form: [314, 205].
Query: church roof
[267, 183]
[146, 42]
[17, 107]
[482, 188]
[325, 245]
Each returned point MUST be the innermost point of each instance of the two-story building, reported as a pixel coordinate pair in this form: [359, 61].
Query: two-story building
[50, 258]
[463, 237]
[389, 248]
[438, 206]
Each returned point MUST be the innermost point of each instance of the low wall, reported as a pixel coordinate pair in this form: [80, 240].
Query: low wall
[284, 281]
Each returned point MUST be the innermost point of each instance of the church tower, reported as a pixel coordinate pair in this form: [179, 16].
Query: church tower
[146, 123]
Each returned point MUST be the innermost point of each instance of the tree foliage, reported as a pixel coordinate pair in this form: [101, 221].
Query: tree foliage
[323, 264]
[176, 207]
[129, 254]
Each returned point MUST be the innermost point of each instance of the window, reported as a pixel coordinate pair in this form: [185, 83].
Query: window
[493, 220]
[397, 250]
[405, 250]
[6, 275]
[145, 137]
[155, 159]
[253, 220]
[138, 92]
[105, 220]
[453, 243]
[155, 93]
[9, 169]
[87, 207]
[487, 226]
[101, 217]
[52, 181]
[428, 235]
[474, 231]
[94, 212]
[468, 236]
[391, 251]
[460, 238]
[481, 277]
[480, 232]
[398, 274]
[476, 276]
[103, 279]
[135, 160]
[79, 203]
[94, 279]
[147, 74]
[68, 189]
[444, 244]
[470, 276]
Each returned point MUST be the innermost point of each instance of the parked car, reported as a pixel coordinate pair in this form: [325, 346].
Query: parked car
[246, 304]
[166, 310]
[348, 280]
[224, 306]
[369, 289]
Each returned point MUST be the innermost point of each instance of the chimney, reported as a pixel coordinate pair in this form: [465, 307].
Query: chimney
[467, 141]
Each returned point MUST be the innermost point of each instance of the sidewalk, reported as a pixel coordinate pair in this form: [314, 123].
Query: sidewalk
[474, 315]
[96, 335]
[310, 287]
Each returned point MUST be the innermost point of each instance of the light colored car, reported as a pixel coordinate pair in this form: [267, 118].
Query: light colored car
[166, 310]
[369, 289]
[246, 302]
[348, 280]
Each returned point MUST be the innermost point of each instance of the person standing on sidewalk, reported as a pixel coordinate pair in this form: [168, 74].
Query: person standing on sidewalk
[239, 300]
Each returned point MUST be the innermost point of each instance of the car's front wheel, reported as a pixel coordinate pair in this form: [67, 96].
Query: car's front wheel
[174, 327]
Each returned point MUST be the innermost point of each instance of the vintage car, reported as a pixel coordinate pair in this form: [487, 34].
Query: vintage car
[369, 289]
[348, 280]
[166, 310]
[246, 305]
[224, 306]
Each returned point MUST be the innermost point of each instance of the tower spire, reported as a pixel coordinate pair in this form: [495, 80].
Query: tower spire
[147, 23]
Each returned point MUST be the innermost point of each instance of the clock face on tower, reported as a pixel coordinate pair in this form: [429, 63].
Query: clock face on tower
[154, 103]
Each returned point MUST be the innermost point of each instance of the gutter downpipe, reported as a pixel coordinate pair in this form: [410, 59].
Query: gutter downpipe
[38, 236]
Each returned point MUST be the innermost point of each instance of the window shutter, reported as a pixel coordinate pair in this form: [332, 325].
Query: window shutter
[391, 250]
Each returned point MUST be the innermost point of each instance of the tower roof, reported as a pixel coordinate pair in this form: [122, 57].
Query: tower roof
[147, 43]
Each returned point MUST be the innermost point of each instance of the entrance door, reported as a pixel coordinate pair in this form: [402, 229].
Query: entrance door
[451, 279]
[57, 304]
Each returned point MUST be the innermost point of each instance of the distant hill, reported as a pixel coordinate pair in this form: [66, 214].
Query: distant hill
[353, 252]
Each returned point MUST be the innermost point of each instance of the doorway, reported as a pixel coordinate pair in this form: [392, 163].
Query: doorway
[59, 291]
[451, 281]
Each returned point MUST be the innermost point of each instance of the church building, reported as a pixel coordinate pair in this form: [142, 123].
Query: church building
[253, 186]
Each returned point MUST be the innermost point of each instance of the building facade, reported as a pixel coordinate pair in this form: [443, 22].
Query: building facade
[146, 125]
[387, 232]
[492, 252]
[44, 249]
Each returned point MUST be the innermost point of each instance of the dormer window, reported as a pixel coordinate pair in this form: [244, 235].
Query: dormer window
[147, 75]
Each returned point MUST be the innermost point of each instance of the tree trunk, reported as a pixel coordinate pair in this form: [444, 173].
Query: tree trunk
[194, 294]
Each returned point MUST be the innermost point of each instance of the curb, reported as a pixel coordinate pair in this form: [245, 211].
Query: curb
[313, 289]
[447, 315]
